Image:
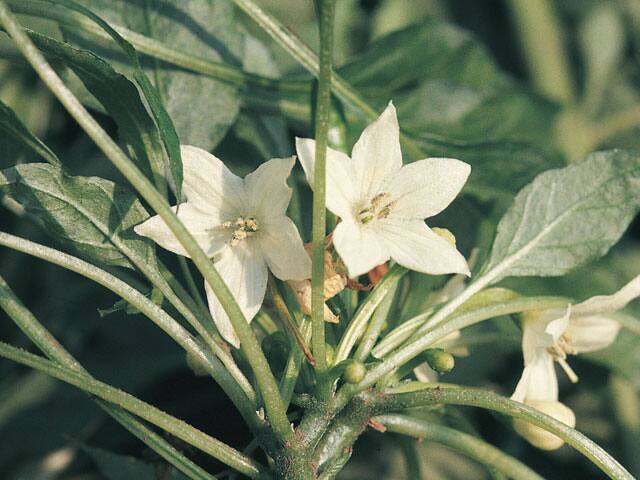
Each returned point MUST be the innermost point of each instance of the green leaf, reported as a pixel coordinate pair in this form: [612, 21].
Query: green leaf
[444, 81]
[567, 217]
[13, 131]
[267, 133]
[119, 97]
[90, 214]
[201, 108]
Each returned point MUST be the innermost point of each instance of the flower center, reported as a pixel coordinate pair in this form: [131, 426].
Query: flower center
[378, 208]
[241, 228]
[559, 351]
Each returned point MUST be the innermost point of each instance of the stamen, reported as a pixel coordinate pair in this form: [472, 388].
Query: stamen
[559, 351]
[378, 208]
[242, 228]
[568, 370]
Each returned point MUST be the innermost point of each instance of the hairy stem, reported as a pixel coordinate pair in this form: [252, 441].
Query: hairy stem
[147, 308]
[489, 400]
[43, 339]
[464, 443]
[175, 426]
[250, 346]
[323, 104]
[427, 338]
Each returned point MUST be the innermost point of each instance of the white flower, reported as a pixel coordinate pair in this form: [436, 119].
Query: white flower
[551, 335]
[241, 224]
[383, 204]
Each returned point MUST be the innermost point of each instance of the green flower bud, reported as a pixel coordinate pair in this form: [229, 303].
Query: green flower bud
[354, 372]
[439, 360]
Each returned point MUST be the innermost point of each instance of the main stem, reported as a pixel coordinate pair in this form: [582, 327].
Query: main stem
[327, 11]
[250, 346]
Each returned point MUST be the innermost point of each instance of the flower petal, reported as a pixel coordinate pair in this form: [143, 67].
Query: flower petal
[376, 155]
[359, 246]
[538, 380]
[541, 329]
[424, 188]
[610, 303]
[282, 247]
[341, 194]
[196, 222]
[537, 436]
[413, 245]
[210, 186]
[245, 273]
[267, 190]
[589, 333]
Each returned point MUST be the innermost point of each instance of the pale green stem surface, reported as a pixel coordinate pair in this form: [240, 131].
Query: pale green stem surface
[434, 395]
[147, 308]
[422, 341]
[250, 346]
[360, 319]
[43, 339]
[323, 104]
[175, 426]
[378, 320]
[464, 443]
[309, 60]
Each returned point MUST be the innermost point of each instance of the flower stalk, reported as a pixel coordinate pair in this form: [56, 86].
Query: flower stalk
[323, 110]
[250, 346]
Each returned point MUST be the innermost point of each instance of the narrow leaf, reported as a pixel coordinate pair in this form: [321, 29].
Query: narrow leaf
[118, 96]
[161, 117]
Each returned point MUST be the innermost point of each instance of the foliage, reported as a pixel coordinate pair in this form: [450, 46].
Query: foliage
[545, 219]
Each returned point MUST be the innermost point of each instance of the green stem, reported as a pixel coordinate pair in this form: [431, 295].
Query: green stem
[191, 283]
[203, 324]
[359, 321]
[147, 308]
[43, 339]
[489, 400]
[309, 60]
[174, 426]
[544, 49]
[464, 443]
[287, 320]
[294, 363]
[323, 108]
[423, 340]
[378, 321]
[250, 346]
[152, 47]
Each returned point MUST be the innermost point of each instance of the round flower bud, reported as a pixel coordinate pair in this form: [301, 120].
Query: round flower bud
[439, 360]
[539, 437]
[354, 372]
